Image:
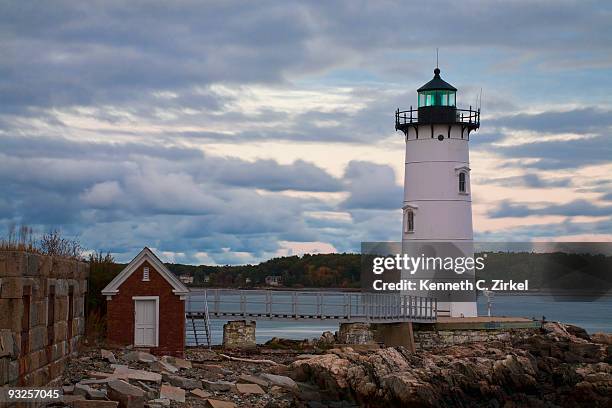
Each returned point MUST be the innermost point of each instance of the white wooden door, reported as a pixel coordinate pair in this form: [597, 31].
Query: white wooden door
[145, 322]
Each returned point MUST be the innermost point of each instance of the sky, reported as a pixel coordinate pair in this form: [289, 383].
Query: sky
[227, 132]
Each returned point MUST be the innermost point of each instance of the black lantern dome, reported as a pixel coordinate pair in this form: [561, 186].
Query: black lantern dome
[437, 92]
[437, 105]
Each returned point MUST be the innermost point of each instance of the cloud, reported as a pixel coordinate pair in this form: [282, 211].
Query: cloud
[138, 123]
[530, 180]
[120, 198]
[561, 154]
[584, 120]
[571, 209]
[371, 186]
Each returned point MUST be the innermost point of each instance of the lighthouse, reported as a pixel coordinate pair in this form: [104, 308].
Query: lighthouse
[437, 206]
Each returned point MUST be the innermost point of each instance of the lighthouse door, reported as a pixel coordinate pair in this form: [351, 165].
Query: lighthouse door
[146, 322]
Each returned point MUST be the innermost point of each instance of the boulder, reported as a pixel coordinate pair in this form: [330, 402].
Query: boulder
[126, 394]
[602, 338]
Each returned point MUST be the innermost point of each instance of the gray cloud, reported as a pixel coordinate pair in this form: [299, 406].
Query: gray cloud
[571, 209]
[560, 154]
[150, 65]
[530, 180]
[585, 120]
[371, 186]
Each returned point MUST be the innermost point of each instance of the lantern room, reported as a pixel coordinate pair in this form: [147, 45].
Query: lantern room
[437, 92]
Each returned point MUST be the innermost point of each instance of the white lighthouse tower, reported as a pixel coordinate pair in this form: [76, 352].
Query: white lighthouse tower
[437, 204]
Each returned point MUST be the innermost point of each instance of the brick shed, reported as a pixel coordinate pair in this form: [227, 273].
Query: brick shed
[146, 306]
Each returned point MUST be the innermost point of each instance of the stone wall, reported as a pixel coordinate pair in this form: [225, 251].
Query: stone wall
[42, 317]
[239, 334]
[427, 339]
[355, 333]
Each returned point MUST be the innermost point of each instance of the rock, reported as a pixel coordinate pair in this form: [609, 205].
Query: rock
[122, 371]
[280, 380]
[602, 338]
[177, 362]
[183, 382]
[251, 379]
[212, 403]
[198, 392]
[222, 386]
[163, 366]
[164, 402]
[214, 368]
[68, 389]
[94, 404]
[70, 399]
[249, 389]
[89, 392]
[327, 339]
[277, 391]
[126, 394]
[108, 356]
[140, 356]
[172, 393]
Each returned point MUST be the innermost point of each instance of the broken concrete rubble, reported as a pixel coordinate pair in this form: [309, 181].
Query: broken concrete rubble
[251, 379]
[211, 403]
[200, 393]
[249, 389]
[126, 394]
[108, 356]
[176, 362]
[94, 404]
[280, 381]
[140, 356]
[172, 393]
[183, 382]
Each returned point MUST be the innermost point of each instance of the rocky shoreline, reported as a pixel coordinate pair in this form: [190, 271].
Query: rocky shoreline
[558, 365]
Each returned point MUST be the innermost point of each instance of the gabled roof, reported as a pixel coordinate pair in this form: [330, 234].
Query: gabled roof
[437, 84]
[145, 255]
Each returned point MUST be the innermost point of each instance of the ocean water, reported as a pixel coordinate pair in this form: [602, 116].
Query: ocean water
[595, 316]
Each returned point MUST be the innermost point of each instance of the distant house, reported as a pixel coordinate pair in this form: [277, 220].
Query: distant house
[274, 280]
[186, 279]
[146, 306]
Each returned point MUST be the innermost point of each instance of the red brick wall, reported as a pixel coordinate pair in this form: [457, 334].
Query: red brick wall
[120, 312]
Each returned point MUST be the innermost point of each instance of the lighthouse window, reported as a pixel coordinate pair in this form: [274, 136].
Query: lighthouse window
[462, 182]
[436, 98]
[409, 224]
